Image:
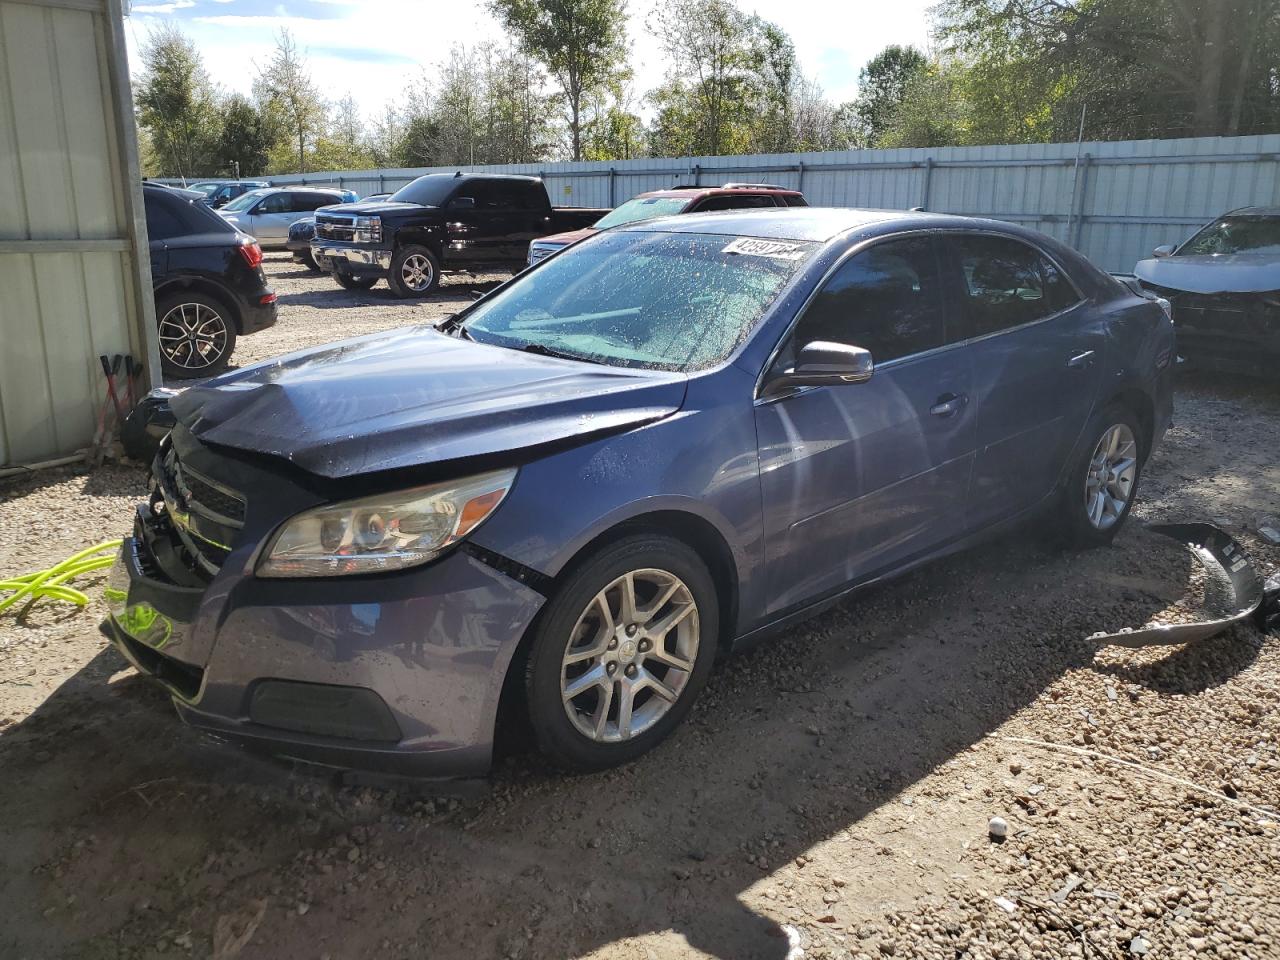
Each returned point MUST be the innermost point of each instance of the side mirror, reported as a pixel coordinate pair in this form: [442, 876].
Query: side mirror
[1164, 250]
[822, 364]
[462, 203]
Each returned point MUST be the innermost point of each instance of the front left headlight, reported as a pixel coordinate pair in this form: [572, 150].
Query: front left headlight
[383, 533]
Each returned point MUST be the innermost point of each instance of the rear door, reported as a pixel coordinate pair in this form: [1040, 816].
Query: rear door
[530, 216]
[1037, 348]
[859, 478]
[164, 220]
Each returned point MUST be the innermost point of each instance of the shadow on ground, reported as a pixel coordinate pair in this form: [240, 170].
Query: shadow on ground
[125, 827]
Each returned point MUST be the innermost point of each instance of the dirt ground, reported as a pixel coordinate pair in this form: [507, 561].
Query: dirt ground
[828, 798]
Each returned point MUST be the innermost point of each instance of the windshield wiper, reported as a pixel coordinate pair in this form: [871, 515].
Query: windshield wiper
[544, 351]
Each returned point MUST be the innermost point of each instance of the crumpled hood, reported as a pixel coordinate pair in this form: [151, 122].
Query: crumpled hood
[415, 396]
[1221, 273]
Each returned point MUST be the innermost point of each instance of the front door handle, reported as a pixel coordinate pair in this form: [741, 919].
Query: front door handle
[948, 405]
[1081, 361]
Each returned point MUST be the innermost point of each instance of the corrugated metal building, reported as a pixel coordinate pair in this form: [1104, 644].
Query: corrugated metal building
[71, 219]
[1112, 201]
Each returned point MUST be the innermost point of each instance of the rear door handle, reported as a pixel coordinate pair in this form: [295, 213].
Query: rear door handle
[1081, 361]
[948, 405]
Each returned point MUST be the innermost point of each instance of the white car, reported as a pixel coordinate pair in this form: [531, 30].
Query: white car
[267, 214]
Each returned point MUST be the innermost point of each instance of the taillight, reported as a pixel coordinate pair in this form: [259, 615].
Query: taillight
[267, 298]
[252, 254]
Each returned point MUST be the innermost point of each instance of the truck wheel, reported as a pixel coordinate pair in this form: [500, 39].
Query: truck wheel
[414, 272]
[348, 281]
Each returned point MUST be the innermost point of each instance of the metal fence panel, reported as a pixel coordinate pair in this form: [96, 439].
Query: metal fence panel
[1113, 201]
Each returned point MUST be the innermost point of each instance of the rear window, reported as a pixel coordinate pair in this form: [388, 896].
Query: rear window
[429, 191]
[175, 216]
[1236, 235]
[642, 208]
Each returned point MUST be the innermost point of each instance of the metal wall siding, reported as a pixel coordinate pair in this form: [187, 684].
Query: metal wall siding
[1128, 196]
[62, 183]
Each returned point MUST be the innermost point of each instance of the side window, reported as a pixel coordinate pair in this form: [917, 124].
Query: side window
[307, 202]
[275, 203]
[1059, 291]
[795, 200]
[163, 219]
[886, 299]
[486, 194]
[1007, 283]
[734, 202]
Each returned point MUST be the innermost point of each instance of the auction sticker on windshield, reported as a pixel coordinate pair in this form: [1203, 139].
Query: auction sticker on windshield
[777, 249]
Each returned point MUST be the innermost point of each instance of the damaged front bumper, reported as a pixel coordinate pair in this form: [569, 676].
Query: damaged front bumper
[398, 673]
[1218, 551]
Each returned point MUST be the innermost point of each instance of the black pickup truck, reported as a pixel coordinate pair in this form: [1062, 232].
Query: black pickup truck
[439, 222]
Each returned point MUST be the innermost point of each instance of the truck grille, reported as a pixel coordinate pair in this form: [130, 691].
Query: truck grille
[334, 227]
[206, 515]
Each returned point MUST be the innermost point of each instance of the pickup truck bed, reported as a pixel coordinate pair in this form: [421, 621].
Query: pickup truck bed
[440, 222]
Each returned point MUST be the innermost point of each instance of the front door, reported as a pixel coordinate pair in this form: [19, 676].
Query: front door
[1037, 349]
[860, 478]
[271, 218]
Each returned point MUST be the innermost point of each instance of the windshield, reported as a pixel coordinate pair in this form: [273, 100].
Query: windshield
[245, 201]
[1236, 235]
[205, 188]
[429, 191]
[668, 301]
[642, 208]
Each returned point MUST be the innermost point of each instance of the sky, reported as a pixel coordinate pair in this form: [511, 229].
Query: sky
[371, 48]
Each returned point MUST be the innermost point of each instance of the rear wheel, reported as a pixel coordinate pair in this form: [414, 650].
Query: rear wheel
[349, 281]
[415, 272]
[197, 335]
[1103, 480]
[621, 652]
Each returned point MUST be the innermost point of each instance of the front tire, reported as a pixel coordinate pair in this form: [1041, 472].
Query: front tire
[621, 652]
[1103, 480]
[197, 335]
[415, 272]
[349, 281]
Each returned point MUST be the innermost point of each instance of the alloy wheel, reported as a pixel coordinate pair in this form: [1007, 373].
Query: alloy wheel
[630, 655]
[417, 272]
[1108, 484]
[193, 336]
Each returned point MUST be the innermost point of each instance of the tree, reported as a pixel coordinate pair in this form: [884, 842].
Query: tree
[245, 140]
[386, 138]
[284, 87]
[711, 63]
[344, 145]
[882, 86]
[458, 108]
[1142, 67]
[177, 104]
[582, 44]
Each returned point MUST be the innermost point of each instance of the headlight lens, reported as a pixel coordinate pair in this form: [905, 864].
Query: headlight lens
[387, 532]
[368, 229]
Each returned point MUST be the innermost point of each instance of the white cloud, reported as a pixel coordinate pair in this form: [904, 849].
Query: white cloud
[160, 8]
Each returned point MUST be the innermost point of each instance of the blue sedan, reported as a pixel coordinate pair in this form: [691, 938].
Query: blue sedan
[665, 442]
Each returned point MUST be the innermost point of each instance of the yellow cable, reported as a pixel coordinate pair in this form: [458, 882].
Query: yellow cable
[50, 583]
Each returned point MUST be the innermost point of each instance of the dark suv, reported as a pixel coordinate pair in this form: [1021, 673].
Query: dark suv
[208, 282]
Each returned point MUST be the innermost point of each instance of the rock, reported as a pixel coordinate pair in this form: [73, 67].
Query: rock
[303, 908]
[1139, 946]
[353, 854]
[1015, 767]
[997, 828]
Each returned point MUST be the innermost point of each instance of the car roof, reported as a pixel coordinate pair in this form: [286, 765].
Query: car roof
[818, 224]
[1254, 212]
[460, 176]
[697, 193]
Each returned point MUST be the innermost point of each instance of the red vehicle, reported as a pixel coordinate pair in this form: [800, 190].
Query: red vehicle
[666, 203]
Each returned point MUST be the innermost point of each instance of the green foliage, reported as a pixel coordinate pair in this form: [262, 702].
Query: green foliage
[882, 88]
[177, 105]
[582, 44]
[1142, 68]
[245, 140]
[292, 104]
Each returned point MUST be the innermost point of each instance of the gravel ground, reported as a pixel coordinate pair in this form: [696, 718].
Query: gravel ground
[830, 796]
